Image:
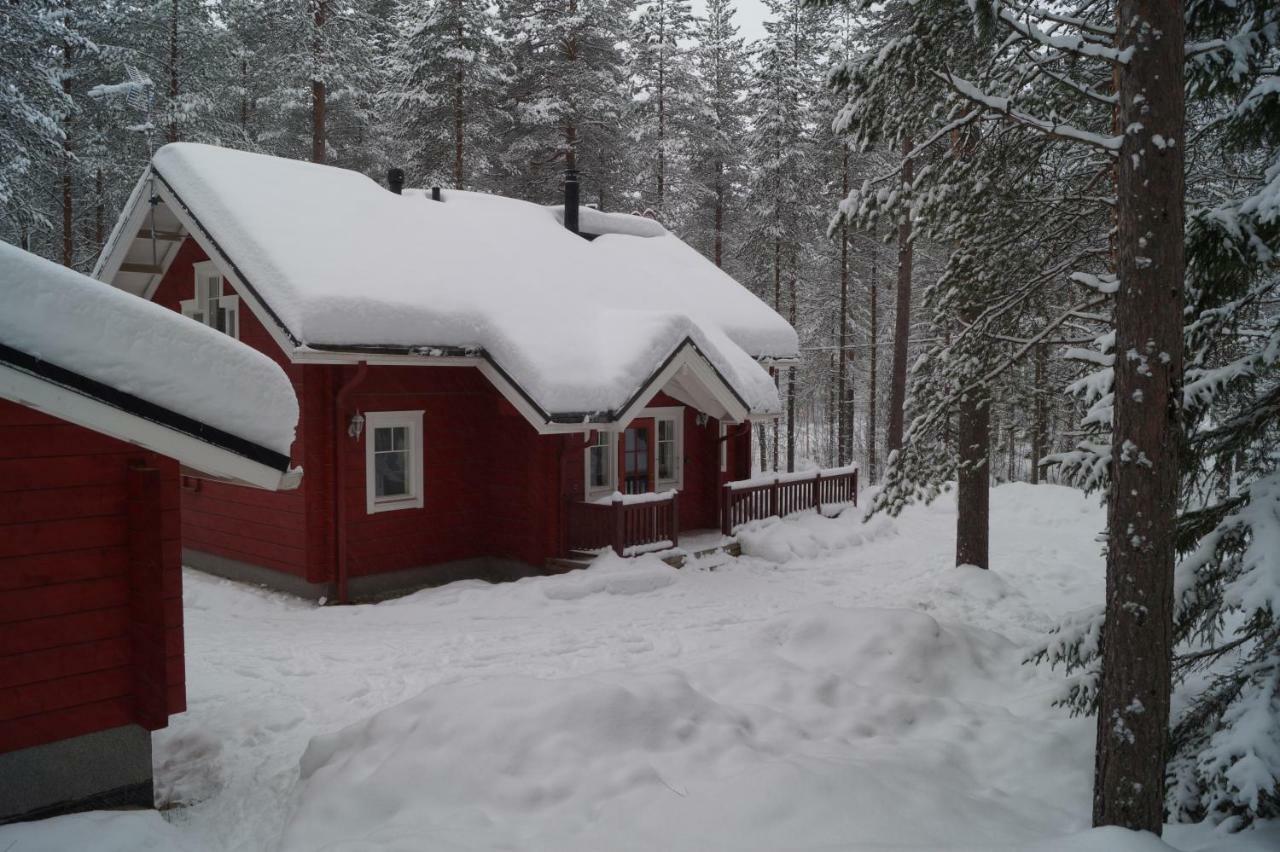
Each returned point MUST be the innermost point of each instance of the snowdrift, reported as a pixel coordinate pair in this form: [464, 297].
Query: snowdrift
[785, 745]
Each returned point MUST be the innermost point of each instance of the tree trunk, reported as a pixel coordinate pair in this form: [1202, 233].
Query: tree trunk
[68, 209]
[973, 480]
[244, 97]
[1038, 414]
[662, 116]
[719, 221]
[1133, 712]
[791, 376]
[319, 144]
[902, 318]
[777, 306]
[760, 439]
[844, 418]
[99, 213]
[570, 124]
[172, 133]
[458, 105]
[873, 361]
[1011, 458]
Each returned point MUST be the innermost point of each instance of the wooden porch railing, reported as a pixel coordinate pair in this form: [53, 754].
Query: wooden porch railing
[784, 494]
[626, 523]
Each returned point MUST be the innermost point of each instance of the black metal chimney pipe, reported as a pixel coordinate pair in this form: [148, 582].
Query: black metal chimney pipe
[571, 199]
[435, 193]
[395, 180]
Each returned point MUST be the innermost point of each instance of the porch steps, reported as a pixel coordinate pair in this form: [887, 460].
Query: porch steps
[578, 559]
[678, 560]
[563, 564]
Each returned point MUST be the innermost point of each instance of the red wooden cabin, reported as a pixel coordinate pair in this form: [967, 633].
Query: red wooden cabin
[91, 444]
[478, 376]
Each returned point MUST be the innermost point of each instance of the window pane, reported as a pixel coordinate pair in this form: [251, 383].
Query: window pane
[398, 436]
[381, 440]
[390, 474]
[666, 430]
[666, 460]
[599, 470]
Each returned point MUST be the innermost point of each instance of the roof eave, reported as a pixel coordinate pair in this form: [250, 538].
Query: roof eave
[85, 402]
[301, 352]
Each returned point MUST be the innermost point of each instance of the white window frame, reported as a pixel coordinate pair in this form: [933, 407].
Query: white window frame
[196, 307]
[611, 464]
[412, 420]
[723, 434]
[674, 414]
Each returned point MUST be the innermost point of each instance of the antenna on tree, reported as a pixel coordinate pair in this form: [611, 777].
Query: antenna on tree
[139, 93]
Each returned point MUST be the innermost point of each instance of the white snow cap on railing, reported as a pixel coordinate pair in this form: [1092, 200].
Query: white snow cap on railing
[793, 476]
[636, 499]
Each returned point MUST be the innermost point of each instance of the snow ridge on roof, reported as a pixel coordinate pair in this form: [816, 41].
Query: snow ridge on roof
[578, 325]
[141, 348]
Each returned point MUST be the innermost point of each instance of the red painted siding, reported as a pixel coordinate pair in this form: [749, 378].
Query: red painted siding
[259, 527]
[485, 475]
[91, 603]
[699, 500]
[493, 486]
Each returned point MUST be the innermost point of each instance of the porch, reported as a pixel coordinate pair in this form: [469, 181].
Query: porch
[632, 524]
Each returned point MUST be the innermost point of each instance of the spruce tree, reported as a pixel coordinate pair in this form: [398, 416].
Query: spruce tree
[718, 135]
[445, 92]
[568, 93]
[662, 103]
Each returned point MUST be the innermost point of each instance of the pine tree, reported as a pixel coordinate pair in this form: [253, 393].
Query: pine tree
[1226, 762]
[785, 93]
[33, 103]
[663, 101]
[718, 143]
[568, 94]
[447, 71]
[322, 63]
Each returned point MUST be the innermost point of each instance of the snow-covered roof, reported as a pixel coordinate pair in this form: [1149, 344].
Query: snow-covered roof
[93, 355]
[578, 326]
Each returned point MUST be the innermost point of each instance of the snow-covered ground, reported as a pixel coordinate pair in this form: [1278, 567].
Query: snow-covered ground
[839, 686]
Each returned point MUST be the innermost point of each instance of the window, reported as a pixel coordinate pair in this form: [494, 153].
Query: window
[393, 460]
[214, 304]
[724, 448]
[667, 436]
[669, 444]
[600, 462]
[666, 450]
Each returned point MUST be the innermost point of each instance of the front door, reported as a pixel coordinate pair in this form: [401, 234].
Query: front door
[636, 457]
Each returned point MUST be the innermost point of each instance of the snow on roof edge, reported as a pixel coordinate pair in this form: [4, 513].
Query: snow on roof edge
[112, 338]
[271, 257]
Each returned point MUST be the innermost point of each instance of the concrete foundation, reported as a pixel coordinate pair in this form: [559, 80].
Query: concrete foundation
[372, 587]
[105, 769]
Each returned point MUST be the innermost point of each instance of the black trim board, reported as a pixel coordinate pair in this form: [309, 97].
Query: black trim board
[138, 407]
[604, 416]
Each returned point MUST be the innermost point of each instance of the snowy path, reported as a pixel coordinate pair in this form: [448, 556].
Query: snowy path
[839, 686]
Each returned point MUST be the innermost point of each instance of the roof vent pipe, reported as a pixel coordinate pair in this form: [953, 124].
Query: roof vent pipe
[435, 193]
[395, 180]
[571, 199]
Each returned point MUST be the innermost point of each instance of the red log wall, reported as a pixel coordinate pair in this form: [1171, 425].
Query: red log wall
[246, 524]
[493, 486]
[90, 582]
